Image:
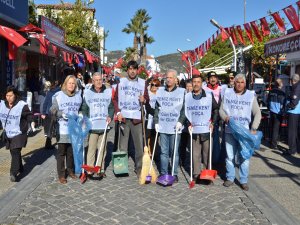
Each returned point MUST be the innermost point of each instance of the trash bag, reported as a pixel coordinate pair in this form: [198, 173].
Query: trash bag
[247, 142]
[78, 128]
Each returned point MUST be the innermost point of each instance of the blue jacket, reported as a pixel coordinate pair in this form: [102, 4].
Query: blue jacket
[48, 100]
[276, 101]
[294, 105]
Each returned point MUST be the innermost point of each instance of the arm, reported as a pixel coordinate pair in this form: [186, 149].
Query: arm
[111, 110]
[115, 100]
[222, 113]
[156, 111]
[85, 109]
[257, 115]
[294, 97]
[214, 110]
[182, 116]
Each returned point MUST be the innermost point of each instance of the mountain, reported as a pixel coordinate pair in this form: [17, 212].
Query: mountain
[169, 61]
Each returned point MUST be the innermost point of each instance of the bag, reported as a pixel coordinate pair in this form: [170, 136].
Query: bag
[3, 136]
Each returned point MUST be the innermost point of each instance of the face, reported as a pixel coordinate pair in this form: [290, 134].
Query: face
[10, 97]
[170, 79]
[132, 72]
[71, 84]
[231, 80]
[189, 87]
[97, 82]
[213, 80]
[240, 85]
[153, 87]
[197, 84]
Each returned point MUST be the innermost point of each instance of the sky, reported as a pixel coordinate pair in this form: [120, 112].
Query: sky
[183, 24]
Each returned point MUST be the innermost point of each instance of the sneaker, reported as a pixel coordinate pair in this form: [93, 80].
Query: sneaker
[13, 178]
[227, 183]
[245, 187]
[176, 179]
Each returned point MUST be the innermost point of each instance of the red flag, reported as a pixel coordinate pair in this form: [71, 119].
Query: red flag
[12, 36]
[65, 56]
[264, 27]
[119, 63]
[201, 53]
[55, 49]
[88, 56]
[207, 44]
[224, 34]
[291, 14]
[76, 58]
[249, 32]
[195, 71]
[256, 31]
[298, 3]
[12, 51]
[192, 56]
[196, 51]
[213, 39]
[31, 28]
[233, 36]
[279, 22]
[240, 34]
[184, 58]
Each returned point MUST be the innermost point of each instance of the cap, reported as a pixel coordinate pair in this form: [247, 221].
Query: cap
[211, 73]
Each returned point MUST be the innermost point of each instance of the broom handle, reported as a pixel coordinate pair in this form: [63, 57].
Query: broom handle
[191, 157]
[174, 152]
[153, 152]
[210, 149]
[143, 124]
[101, 145]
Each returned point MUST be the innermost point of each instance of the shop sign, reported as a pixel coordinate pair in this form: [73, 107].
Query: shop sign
[9, 72]
[14, 11]
[53, 31]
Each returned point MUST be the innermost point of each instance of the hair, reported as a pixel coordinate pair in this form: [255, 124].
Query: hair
[295, 78]
[240, 76]
[155, 81]
[133, 64]
[63, 87]
[97, 74]
[15, 91]
[278, 83]
[196, 76]
[172, 71]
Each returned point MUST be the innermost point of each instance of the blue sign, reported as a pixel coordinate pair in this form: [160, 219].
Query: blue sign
[14, 11]
[9, 72]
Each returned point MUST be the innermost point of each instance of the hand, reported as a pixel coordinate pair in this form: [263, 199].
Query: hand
[157, 128]
[43, 116]
[80, 115]
[211, 127]
[64, 116]
[108, 119]
[120, 117]
[141, 99]
[178, 126]
[227, 120]
[253, 131]
[190, 130]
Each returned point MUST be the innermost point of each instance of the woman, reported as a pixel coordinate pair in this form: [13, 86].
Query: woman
[15, 117]
[65, 102]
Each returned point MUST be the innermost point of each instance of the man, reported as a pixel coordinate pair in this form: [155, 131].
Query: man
[200, 108]
[293, 108]
[80, 81]
[130, 94]
[214, 86]
[169, 117]
[97, 105]
[276, 104]
[238, 103]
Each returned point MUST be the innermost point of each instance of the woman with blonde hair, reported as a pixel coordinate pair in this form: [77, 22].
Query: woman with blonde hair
[65, 102]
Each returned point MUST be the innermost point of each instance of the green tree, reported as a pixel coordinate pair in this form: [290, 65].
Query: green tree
[32, 13]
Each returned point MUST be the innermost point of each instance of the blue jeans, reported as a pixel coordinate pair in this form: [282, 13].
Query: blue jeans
[216, 151]
[232, 156]
[167, 142]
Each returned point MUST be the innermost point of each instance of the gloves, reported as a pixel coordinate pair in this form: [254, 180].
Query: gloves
[157, 128]
[190, 130]
[64, 116]
[178, 126]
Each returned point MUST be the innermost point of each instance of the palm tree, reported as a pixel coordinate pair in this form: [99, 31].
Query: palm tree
[147, 40]
[133, 27]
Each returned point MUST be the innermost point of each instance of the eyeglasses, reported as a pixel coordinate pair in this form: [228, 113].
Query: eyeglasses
[155, 85]
[231, 78]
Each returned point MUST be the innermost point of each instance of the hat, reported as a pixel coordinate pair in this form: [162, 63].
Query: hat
[211, 73]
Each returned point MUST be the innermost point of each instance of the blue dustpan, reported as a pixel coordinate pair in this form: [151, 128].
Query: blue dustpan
[166, 180]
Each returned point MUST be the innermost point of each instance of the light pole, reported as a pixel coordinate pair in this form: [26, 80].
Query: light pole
[213, 22]
[191, 66]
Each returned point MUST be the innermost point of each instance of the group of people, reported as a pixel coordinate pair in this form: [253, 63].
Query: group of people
[172, 111]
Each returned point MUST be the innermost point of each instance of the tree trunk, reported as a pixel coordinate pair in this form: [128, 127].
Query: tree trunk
[135, 46]
[142, 48]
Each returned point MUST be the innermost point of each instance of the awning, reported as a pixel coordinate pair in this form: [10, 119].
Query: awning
[12, 36]
[90, 56]
[63, 47]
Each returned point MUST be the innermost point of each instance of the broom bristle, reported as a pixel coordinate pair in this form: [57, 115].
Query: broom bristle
[145, 166]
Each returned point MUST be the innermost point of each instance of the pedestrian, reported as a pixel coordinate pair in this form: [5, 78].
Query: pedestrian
[202, 111]
[168, 118]
[276, 104]
[49, 121]
[293, 110]
[15, 117]
[130, 94]
[80, 81]
[98, 107]
[214, 86]
[65, 102]
[239, 104]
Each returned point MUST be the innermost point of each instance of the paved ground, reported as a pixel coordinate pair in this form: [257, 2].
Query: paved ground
[39, 199]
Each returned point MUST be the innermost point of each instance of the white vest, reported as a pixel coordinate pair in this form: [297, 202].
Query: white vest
[128, 97]
[238, 107]
[152, 101]
[216, 92]
[170, 106]
[198, 112]
[98, 105]
[12, 126]
[69, 105]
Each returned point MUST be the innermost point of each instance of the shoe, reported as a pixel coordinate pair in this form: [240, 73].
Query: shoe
[227, 183]
[176, 179]
[13, 178]
[274, 147]
[195, 177]
[102, 175]
[62, 180]
[245, 187]
[287, 153]
[72, 175]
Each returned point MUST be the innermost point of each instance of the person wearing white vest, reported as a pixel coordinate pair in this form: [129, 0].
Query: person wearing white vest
[98, 107]
[169, 117]
[130, 94]
[15, 117]
[67, 101]
[202, 111]
[239, 104]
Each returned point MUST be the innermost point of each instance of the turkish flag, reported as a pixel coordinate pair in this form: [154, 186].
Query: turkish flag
[249, 32]
[192, 56]
[291, 14]
[12, 36]
[31, 28]
[279, 22]
[256, 31]
[264, 27]
[233, 36]
[224, 35]
[12, 51]
[240, 34]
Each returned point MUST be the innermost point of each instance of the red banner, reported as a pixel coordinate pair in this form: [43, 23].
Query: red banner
[249, 32]
[224, 35]
[291, 14]
[256, 31]
[240, 34]
[264, 27]
[279, 22]
[12, 36]
[233, 35]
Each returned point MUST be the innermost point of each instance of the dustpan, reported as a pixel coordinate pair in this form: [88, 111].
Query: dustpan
[209, 174]
[120, 159]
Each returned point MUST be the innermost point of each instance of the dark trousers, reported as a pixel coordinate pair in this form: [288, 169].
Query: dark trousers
[276, 120]
[200, 153]
[185, 137]
[16, 161]
[293, 131]
[64, 152]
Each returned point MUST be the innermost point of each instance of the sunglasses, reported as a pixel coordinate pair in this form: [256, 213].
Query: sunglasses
[155, 85]
[231, 78]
